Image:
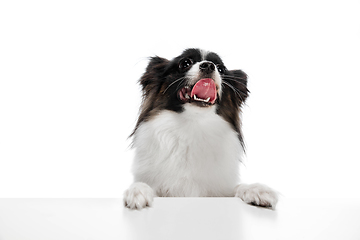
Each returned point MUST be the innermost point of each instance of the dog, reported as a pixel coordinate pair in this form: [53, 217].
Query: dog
[188, 140]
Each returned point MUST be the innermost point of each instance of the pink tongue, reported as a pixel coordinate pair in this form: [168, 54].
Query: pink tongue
[204, 89]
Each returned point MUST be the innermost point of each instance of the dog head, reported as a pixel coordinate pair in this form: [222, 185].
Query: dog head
[195, 77]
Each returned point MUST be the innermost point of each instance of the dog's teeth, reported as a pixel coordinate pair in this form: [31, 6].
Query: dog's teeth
[200, 99]
[187, 96]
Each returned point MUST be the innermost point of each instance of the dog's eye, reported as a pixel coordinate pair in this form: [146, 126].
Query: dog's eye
[221, 68]
[185, 63]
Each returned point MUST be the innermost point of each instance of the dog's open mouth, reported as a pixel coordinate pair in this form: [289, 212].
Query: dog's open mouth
[204, 92]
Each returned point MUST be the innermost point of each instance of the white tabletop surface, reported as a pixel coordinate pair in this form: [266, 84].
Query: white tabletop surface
[178, 218]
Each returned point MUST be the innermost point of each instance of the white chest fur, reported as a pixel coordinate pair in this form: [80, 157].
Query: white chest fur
[189, 154]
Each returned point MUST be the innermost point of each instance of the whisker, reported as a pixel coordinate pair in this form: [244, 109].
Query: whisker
[234, 89]
[241, 78]
[179, 79]
[179, 84]
[234, 79]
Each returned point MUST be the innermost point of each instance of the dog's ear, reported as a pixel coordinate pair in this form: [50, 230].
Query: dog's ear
[153, 72]
[238, 79]
[239, 75]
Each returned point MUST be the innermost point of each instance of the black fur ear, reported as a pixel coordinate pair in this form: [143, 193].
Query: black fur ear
[239, 75]
[150, 83]
[238, 79]
[233, 97]
[153, 71]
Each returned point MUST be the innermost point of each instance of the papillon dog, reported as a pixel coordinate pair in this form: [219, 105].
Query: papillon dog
[188, 140]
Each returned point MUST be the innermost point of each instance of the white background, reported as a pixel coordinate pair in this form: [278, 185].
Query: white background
[69, 96]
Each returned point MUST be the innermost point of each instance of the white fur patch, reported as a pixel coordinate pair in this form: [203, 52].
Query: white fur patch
[257, 194]
[190, 154]
[203, 53]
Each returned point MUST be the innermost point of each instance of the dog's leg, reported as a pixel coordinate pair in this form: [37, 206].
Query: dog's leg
[139, 195]
[257, 194]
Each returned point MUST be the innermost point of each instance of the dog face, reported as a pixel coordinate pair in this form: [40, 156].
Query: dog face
[199, 79]
[195, 77]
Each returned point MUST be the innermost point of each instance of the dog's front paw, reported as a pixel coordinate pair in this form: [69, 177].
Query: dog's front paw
[257, 194]
[138, 196]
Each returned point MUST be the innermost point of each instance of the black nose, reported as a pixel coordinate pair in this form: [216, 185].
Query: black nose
[207, 67]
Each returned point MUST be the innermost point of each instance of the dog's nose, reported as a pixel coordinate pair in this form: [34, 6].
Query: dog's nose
[207, 67]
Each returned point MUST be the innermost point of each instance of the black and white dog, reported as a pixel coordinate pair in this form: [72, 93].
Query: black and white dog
[187, 140]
